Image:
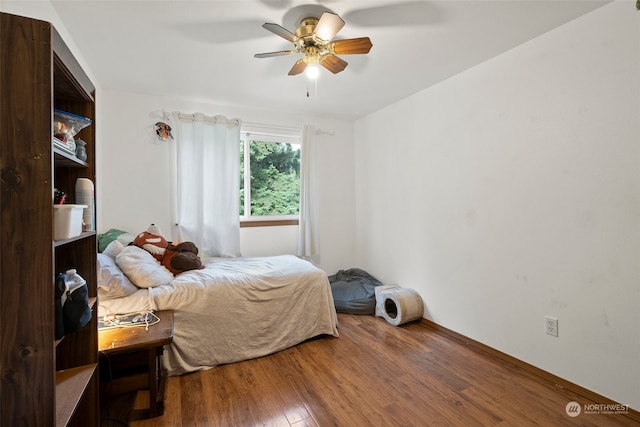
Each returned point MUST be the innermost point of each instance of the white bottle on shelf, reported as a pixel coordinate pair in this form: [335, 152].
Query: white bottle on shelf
[85, 195]
[74, 280]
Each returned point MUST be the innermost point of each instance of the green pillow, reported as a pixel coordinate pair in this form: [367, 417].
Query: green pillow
[105, 238]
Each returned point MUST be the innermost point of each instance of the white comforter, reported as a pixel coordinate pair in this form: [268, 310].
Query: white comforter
[239, 308]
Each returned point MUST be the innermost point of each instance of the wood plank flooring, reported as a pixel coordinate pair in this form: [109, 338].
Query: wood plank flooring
[374, 374]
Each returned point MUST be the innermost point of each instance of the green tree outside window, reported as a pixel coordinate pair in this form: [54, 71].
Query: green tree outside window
[274, 178]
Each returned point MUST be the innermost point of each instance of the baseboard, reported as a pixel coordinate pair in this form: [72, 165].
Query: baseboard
[542, 374]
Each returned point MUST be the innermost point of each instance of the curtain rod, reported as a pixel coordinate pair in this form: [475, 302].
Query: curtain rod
[262, 126]
[319, 131]
[207, 119]
[272, 127]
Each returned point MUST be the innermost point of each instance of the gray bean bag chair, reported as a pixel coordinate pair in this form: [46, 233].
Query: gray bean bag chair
[354, 291]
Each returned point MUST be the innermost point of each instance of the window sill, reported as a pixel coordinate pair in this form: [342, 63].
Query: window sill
[268, 222]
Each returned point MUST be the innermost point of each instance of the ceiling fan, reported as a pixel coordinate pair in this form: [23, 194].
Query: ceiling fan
[313, 38]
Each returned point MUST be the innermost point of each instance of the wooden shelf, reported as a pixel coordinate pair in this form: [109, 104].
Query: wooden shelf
[70, 80]
[63, 158]
[70, 387]
[84, 235]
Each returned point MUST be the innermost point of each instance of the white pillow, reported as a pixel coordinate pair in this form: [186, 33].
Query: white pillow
[112, 283]
[142, 268]
[125, 238]
[113, 249]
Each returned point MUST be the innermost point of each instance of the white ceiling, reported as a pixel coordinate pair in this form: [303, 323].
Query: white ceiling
[204, 49]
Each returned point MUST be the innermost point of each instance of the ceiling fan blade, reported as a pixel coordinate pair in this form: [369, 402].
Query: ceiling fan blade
[328, 26]
[333, 63]
[351, 46]
[298, 67]
[271, 54]
[279, 30]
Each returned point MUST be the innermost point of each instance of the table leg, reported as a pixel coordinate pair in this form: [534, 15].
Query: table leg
[153, 383]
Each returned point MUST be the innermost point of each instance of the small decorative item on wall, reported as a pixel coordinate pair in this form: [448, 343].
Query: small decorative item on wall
[163, 131]
[160, 131]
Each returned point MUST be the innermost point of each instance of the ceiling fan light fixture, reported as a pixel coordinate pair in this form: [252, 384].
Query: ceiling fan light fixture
[312, 71]
[313, 39]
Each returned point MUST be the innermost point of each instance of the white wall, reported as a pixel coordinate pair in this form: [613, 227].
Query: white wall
[511, 192]
[502, 195]
[135, 180]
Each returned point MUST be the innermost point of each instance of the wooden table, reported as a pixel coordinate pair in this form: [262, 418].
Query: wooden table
[131, 359]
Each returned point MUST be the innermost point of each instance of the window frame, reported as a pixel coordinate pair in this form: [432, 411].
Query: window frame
[276, 135]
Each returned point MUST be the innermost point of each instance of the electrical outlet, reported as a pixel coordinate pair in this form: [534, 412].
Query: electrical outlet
[551, 326]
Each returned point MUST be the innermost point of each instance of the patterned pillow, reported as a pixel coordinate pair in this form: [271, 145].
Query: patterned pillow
[106, 238]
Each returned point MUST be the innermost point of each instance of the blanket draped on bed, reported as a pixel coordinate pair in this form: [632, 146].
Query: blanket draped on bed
[242, 308]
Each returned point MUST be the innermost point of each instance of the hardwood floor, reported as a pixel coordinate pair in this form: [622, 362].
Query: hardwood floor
[374, 374]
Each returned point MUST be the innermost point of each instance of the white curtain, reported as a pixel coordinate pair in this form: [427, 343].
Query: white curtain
[308, 238]
[207, 192]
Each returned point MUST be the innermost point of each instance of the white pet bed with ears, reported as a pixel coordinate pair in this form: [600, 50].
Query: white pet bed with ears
[398, 305]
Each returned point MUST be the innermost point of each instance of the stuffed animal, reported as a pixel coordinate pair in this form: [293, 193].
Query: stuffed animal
[176, 258]
[182, 257]
[152, 242]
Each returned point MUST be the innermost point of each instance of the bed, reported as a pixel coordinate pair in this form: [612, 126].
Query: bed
[233, 309]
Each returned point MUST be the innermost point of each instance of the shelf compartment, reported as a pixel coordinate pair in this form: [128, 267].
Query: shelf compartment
[70, 388]
[64, 158]
[92, 305]
[84, 235]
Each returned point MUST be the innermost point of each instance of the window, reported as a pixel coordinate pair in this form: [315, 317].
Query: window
[269, 178]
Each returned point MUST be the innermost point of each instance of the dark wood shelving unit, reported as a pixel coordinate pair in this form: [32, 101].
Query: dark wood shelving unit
[43, 381]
